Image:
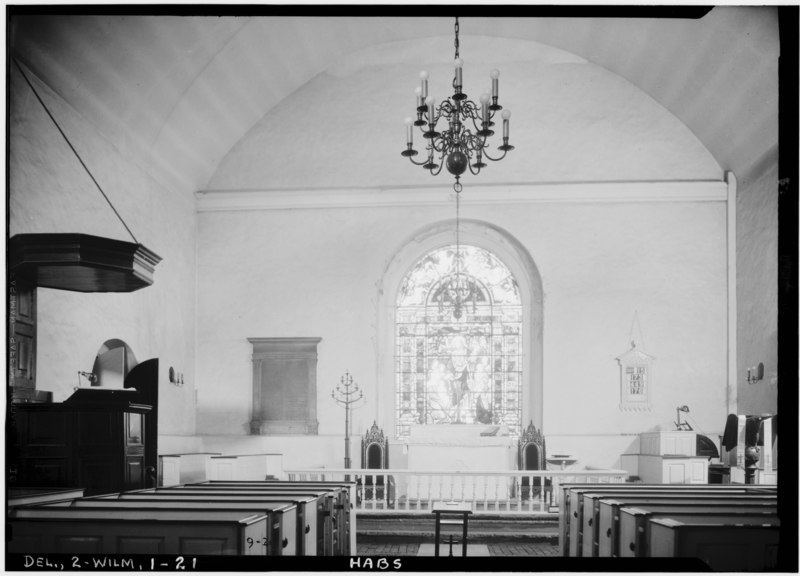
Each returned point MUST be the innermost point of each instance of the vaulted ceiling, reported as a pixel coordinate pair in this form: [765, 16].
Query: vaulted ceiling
[176, 93]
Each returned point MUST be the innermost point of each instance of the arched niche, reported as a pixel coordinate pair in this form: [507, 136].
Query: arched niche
[514, 255]
[114, 360]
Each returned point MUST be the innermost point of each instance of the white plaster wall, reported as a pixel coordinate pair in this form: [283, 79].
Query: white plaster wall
[314, 273]
[571, 121]
[757, 291]
[50, 192]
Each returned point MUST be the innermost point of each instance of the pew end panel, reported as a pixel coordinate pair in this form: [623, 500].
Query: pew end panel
[723, 547]
[115, 531]
[634, 524]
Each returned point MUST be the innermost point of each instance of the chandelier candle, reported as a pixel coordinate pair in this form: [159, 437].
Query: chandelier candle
[463, 144]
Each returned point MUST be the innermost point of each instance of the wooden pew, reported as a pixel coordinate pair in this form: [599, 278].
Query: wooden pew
[57, 530]
[312, 511]
[244, 467]
[589, 510]
[724, 547]
[608, 528]
[346, 490]
[334, 522]
[344, 509]
[323, 517]
[283, 542]
[181, 468]
[571, 520]
[24, 496]
[634, 523]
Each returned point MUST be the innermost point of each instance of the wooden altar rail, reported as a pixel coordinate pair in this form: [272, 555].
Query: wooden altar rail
[507, 492]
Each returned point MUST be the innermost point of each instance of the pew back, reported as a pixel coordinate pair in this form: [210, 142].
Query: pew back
[570, 501]
[320, 511]
[607, 533]
[301, 541]
[724, 547]
[344, 520]
[590, 514]
[54, 530]
[577, 524]
[634, 524]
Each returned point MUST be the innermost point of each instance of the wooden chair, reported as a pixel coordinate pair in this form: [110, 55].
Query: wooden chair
[531, 455]
[375, 456]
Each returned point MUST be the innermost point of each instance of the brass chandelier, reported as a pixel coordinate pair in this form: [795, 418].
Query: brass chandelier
[463, 144]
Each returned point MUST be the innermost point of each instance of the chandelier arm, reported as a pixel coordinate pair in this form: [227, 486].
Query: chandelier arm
[439, 169]
[421, 163]
[475, 124]
[470, 109]
[474, 171]
[439, 145]
[446, 108]
[486, 155]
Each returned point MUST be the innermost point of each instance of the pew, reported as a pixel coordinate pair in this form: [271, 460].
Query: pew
[58, 530]
[571, 512]
[568, 505]
[589, 508]
[23, 496]
[244, 466]
[303, 542]
[344, 508]
[724, 547]
[634, 524]
[335, 518]
[181, 468]
[608, 529]
[322, 506]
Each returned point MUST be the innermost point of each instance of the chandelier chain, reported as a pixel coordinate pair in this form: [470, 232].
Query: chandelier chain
[456, 41]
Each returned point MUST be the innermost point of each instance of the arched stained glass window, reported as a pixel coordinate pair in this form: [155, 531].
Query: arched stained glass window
[461, 365]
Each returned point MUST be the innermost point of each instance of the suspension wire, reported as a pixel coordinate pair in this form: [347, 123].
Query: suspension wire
[458, 234]
[635, 322]
[86, 168]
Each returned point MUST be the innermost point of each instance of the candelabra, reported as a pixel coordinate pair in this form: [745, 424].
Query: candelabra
[346, 394]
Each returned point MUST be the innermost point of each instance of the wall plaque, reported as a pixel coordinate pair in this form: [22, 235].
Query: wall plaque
[284, 386]
[636, 375]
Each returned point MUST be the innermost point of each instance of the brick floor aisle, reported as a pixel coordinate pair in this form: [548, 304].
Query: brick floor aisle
[523, 549]
[387, 549]
[368, 548]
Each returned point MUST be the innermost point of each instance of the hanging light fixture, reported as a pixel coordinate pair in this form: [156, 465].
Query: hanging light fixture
[458, 289]
[463, 144]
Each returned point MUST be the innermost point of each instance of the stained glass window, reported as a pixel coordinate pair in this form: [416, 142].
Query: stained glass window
[463, 367]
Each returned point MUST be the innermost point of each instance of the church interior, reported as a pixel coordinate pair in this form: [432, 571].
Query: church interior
[233, 253]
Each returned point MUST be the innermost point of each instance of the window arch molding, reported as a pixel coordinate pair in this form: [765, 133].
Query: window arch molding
[518, 260]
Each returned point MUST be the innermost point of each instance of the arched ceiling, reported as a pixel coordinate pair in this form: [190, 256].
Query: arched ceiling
[176, 93]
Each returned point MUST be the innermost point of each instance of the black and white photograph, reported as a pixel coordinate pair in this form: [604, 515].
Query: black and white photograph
[431, 288]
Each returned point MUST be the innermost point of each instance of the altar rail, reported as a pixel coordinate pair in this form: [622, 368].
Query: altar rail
[512, 492]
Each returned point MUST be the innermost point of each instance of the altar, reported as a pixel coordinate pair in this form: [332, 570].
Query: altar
[462, 448]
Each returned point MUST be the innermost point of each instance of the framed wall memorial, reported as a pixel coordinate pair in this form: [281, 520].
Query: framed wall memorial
[636, 379]
[284, 386]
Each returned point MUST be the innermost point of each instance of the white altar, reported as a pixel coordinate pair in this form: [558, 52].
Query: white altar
[461, 448]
